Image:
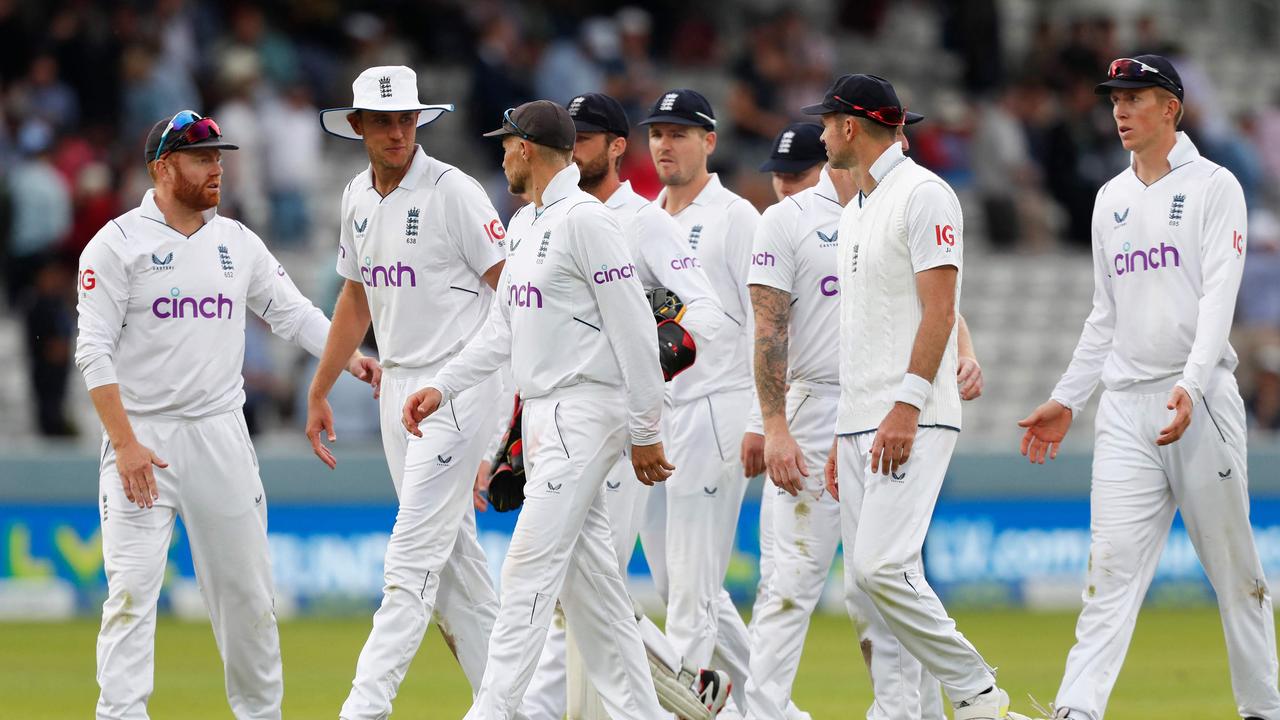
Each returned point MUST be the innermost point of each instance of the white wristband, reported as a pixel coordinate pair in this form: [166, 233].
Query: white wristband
[913, 391]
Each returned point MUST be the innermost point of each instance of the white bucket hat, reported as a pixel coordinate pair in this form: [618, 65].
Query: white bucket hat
[387, 88]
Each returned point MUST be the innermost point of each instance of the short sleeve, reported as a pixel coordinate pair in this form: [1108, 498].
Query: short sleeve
[934, 227]
[348, 264]
[473, 225]
[773, 253]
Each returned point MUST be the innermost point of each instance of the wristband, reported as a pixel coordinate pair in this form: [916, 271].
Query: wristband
[913, 391]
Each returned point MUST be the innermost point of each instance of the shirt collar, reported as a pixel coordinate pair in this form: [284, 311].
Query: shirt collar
[621, 196]
[562, 185]
[1183, 152]
[826, 187]
[149, 209]
[417, 169]
[887, 161]
[705, 197]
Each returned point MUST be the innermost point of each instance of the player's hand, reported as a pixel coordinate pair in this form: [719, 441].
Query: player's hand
[785, 462]
[1046, 426]
[133, 462]
[897, 433]
[419, 407]
[969, 377]
[480, 489]
[1180, 404]
[831, 473]
[366, 369]
[650, 463]
[319, 426]
[752, 454]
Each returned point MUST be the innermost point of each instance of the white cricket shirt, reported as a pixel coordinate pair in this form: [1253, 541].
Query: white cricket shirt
[795, 251]
[162, 314]
[569, 312]
[719, 228]
[662, 259]
[420, 253]
[1167, 262]
[910, 223]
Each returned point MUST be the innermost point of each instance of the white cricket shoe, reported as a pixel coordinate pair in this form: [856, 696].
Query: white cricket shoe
[991, 705]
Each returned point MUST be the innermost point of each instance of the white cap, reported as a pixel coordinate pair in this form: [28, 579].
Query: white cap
[387, 88]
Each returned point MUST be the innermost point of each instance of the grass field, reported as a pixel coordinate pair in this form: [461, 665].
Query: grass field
[1176, 668]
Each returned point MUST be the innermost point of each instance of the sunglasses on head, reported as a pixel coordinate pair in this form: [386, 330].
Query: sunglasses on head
[891, 115]
[187, 127]
[1130, 69]
[508, 117]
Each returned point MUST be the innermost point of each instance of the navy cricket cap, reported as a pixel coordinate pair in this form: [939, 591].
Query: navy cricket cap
[1142, 71]
[206, 135]
[682, 107]
[868, 96]
[597, 112]
[796, 149]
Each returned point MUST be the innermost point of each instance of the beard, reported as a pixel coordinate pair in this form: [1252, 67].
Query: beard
[593, 171]
[517, 182]
[195, 195]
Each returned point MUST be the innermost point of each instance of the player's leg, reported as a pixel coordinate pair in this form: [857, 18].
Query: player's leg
[1208, 471]
[891, 525]
[224, 510]
[135, 546]
[653, 530]
[704, 497]
[1131, 509]
[767, 551]
[467, 604]
[435, 497]
[569, 446]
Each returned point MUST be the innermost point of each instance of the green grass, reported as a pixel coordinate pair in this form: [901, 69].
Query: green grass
[1176, 668]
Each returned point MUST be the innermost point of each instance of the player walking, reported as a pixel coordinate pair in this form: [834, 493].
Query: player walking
[573, 317]
[710, 402]
[899, 408]
[419, 239]
[794, 293]
[1168, 253]
[163, 293]
[662, 261]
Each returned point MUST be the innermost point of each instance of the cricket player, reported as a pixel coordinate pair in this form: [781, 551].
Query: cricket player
[794, 294]
[899, 409]
[572, 318]
[662, 260]
[419, 239]
[710, 402]
[163, 291]
[1168, 252]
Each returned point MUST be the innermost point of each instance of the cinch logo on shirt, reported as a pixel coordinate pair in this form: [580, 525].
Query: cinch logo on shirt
[685, 263]
[1237, 242]
[391, 275]
[1151, 259]
[524, 295]
[177, 307]
[764, 259]
[829, 286]
[607, 274]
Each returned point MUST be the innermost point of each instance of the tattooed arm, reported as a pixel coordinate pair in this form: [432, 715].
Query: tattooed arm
[773, 315]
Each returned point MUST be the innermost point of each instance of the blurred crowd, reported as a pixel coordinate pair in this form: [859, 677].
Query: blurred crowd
[1022, 136]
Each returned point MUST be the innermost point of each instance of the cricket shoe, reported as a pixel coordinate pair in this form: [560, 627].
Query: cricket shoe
[713, 688]
[990, 705]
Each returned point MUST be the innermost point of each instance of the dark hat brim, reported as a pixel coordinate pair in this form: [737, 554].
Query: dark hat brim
[590, 127]
[821, 108]
[913, 118]
[207, 144]
[498, 133]
[789, 165]
[1105, 88]
[676, 120]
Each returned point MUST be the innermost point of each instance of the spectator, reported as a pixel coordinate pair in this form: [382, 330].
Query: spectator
[573, 64]
[41, 209]
[96, 203]
[151, 92]
[637, 79]
[1257, 332]
[1002, 169]
[43, 95]
[50, 326]
[1080, 157]
[244, 190]
[757, 98]
[293, 163]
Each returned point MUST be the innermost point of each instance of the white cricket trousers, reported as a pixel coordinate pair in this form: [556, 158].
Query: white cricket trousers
[212, 483]
[806, 533]
[701, 500]
[1137, 486]
[562, 549]
[434, 565]
[883, 520]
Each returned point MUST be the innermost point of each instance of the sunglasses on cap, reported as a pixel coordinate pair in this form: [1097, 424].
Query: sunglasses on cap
[188, 127]
[508, 118]
[891, 115]
[1130, 69]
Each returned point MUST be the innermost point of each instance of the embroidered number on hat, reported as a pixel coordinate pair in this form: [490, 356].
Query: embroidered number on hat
[384, 86]
[668, 102]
